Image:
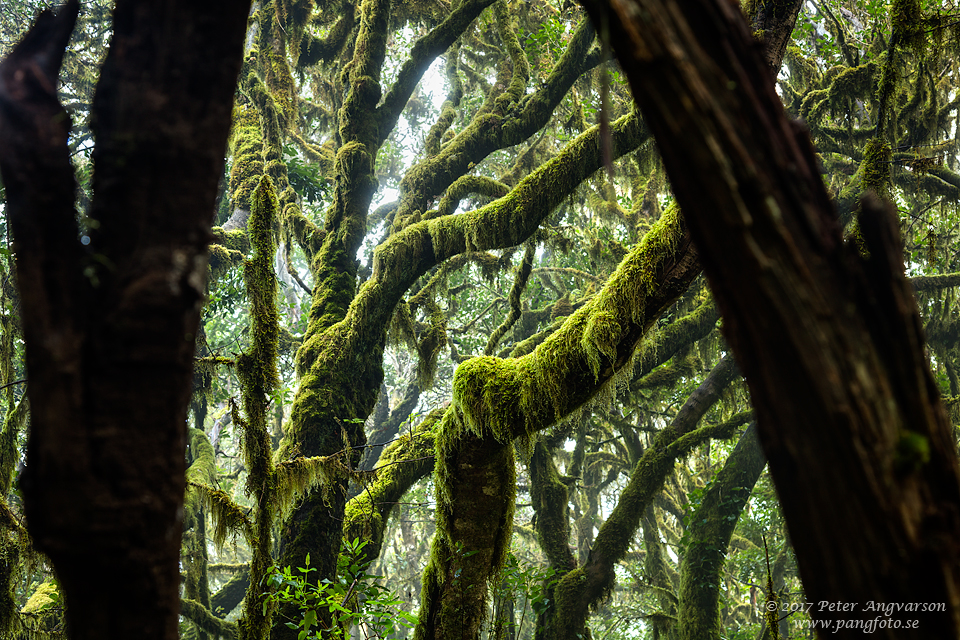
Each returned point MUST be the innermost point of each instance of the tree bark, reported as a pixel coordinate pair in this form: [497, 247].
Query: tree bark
[830, 343]
[111, 309]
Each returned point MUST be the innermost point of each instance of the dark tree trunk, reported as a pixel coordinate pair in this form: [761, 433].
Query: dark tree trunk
[110, 323]
[830, 343]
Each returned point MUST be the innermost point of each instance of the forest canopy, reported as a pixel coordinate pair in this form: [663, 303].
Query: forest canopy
[451, 367]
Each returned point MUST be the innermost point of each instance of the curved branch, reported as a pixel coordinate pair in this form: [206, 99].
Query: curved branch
[580, 589]
[424, 52]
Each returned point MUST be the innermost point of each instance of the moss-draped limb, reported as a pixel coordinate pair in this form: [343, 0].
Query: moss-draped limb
[403, 463]
[489, 132]
[709, 534]
[464, 186]
[334, 265]
[228, 517]
[495, 401]
[424, 52]
[231, 594]
[309, 236]
[584, 587]
[198, 614]
[507, 222]
[246, 147]
[523, 274]
[257, 371]
[670, 339]
[339, 367]
[930, 283]
[522, 396]
[232, 239]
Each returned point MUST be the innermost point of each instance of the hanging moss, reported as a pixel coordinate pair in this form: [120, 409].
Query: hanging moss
[229, 519]
[297, 477]
[849, 83]
[431, 342]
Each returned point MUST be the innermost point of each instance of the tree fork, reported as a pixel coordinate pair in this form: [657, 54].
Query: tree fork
[109, 326]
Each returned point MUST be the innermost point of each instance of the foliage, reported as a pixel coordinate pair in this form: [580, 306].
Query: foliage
[355, 599]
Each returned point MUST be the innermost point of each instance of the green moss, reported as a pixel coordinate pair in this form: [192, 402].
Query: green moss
[257, 371]
[246, 148]
[431, 342]
[473, 527]
[405, 461]
[229, 519]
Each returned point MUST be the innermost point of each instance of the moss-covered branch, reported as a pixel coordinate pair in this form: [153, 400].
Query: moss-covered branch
[524, 395]
[257, 371]
[670, 339]
[314, 49]
[402, 464]
[489, 132]
[520, 74]
[582, 588]
[932, 283]
[507, 222]
[424, 52]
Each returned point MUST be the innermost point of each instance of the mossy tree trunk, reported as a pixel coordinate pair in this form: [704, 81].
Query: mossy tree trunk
[709, 534]
[110, 323]
[830, 342]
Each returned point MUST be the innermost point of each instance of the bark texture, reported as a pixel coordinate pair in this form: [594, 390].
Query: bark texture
[830, 342]
[110, 322]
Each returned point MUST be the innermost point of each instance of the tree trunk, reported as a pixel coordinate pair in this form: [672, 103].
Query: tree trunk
[109, 321]
[830, 343]
[710, 530]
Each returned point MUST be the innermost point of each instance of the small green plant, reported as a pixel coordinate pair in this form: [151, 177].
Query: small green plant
[528, 585]
[354, 599]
